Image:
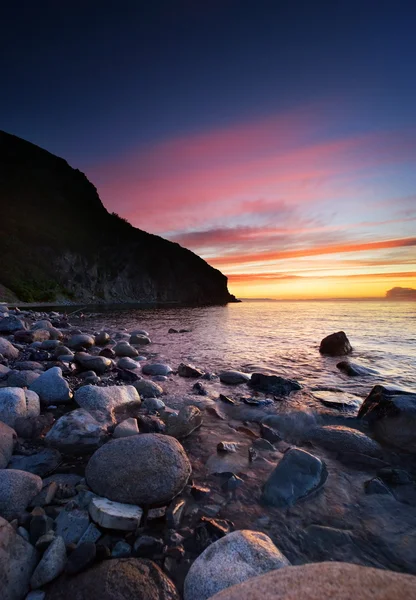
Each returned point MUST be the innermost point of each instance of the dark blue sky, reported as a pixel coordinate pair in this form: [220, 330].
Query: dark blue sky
[89, 80]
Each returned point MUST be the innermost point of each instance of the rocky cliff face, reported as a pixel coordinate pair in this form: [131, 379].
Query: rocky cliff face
[57, 241]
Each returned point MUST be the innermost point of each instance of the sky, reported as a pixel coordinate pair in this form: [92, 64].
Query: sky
[277, 140]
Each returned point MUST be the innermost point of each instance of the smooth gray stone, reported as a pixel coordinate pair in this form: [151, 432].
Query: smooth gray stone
[51, 564]
[17, 488]
[18, 559]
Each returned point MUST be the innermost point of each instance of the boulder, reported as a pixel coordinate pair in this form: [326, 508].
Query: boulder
[184, 423]
[156, 369]
[42, 324]
[41, 463]
[153, 405]
[115, 515]
[336, 344]
[233, 377]
[7, 442]
[140, 332]
[139, 339]
[185, 370]
[354, 370]
[80, 341]
[11, 324]
[102, 401]
[99, 364]
[21, 378]
[391, 414]
[76, 432]
[272, 384]
[126, 428]
[52, 388]
[17, 488]
[8, 350]
[144, 469]
[148, 389]
[297, 475]
[51, 564]
[18, 559]
[230, 560]
[324, 581]
[102, 338]
[116, 579]
[127, 363]
[338, 438]
[123, 348]
[17, 403]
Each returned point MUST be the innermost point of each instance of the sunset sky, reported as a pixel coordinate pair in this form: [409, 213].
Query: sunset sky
[277, 140]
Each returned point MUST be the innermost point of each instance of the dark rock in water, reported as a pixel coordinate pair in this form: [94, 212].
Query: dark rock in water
[156, 369]
[256, 401]
[394, 476]
[336, 344]
[226, 399]
[199, 389]
[361, 461]
[233, 377]
[41, 463]
[338, 400]
[391, 414]
[172, 330]
[338, 438]
[262, 444]
[297, 475]
[272, 384]
[324, 581]
[354, 370]
[116, 579]
[188, 371]
[269, 434]
[227, 447]
[128, 376]
[82, 557]
[376, 486]
[144, 469]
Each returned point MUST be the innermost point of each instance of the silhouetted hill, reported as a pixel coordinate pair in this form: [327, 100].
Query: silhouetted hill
[57, 241]
[400, 293]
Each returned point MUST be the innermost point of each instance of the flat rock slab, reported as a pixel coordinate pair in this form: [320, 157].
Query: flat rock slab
[115, 515]
[233, 377]
[273, 384]
[71, 525]
[40, 463]
[338, 400]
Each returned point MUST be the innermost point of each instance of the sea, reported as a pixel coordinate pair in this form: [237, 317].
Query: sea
[282, 338]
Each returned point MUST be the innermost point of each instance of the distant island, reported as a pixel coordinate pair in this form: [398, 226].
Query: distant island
[401, 293]
[59, 244]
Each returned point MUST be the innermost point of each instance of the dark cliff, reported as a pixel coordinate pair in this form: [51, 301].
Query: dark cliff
[57, 241]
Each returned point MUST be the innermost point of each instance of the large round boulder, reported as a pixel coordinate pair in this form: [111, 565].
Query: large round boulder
[231, 560]
[117, 579]
[338, 438]
[336, 344]
[324, 581]
[146, 469]
[52, 388]
[15, 403]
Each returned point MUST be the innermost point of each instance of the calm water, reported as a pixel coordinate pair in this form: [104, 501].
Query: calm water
[283, 338]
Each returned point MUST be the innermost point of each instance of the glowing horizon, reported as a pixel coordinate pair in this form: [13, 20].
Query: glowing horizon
[288, 206]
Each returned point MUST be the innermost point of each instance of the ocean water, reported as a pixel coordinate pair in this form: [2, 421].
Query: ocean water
[282, 338]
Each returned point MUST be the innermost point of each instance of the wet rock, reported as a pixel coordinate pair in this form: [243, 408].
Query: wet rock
[102, 338]
[336, 344]
[126, 428]
[145, 469]
[151, 424]
[98, 364]
[185, 370]
[148, 389]
[234, 558]
[7, 442]
[297, 475]
[376, 486]
[226, 399]
[8, 350]
[199, 389]
[156, 369]
[354, 370]
[17, 488]
[40, 463]
[324, 581]
[11, 324]
[139, 339]
[338, 400]
[52, 388]
[262, 444]
[51, 564]
[227, 447]
[17, 561]
[148, 546]
[127, 363]
[272, 384]
[76, 432]
[21, 378]
[233, 377]
[104, 400]
[124, 349]
[115, 515]
[173, 330]
[338, 438]
[81, 558]
[117, 579]
[394, 476]
[71, 525]
[80, 341]
[391, 414]
[184, 423]
[107, 352]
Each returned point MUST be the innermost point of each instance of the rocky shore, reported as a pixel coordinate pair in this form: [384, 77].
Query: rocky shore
[124, 477]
